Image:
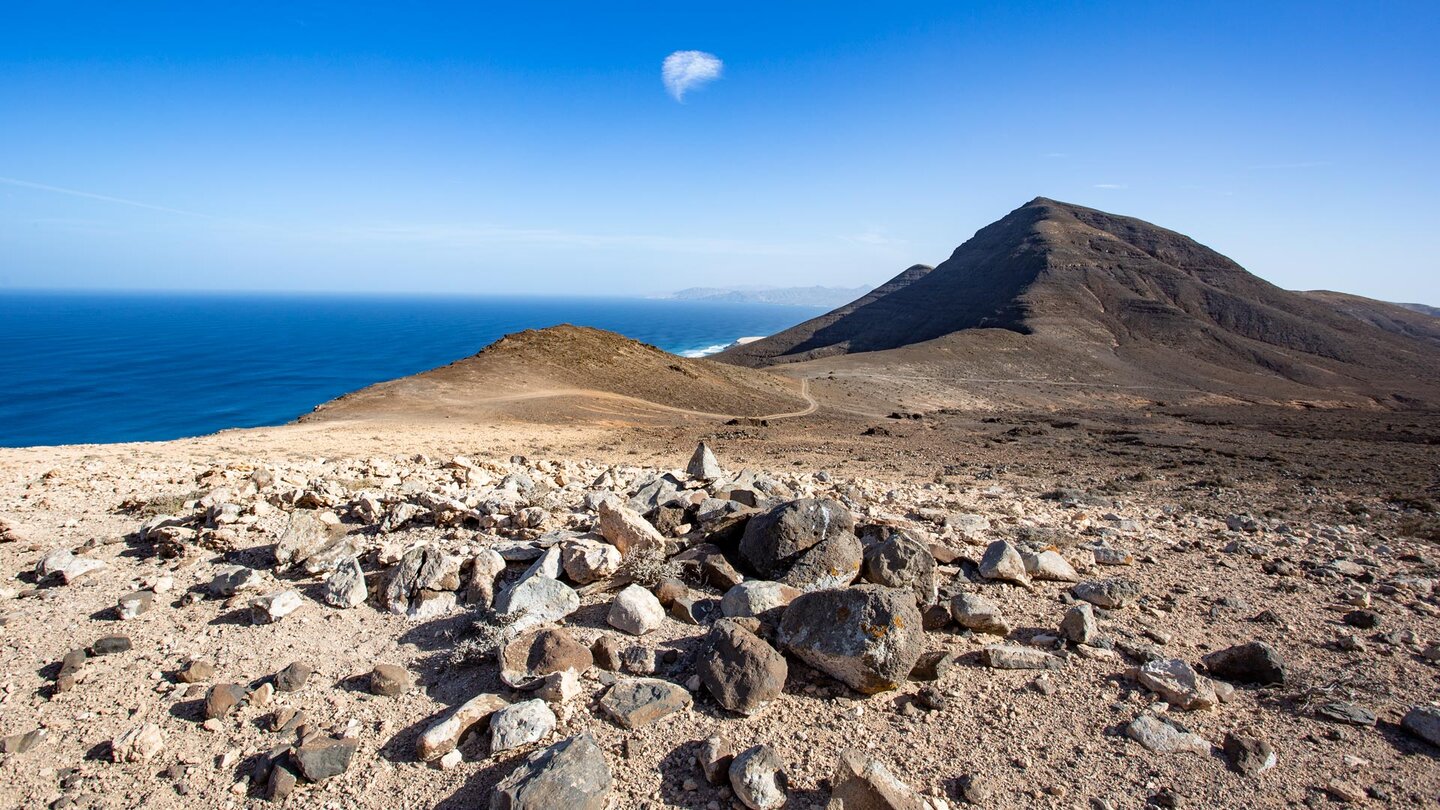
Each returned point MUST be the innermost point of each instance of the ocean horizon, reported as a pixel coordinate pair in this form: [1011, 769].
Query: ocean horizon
[117, 366]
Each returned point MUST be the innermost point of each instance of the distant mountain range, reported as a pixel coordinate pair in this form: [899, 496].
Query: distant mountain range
[1423, 309]
[816, 296]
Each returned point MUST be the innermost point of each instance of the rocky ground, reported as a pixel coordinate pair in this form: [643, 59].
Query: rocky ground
[1093, 610]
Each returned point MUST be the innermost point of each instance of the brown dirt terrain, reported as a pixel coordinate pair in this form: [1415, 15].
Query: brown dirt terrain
[1323, 484]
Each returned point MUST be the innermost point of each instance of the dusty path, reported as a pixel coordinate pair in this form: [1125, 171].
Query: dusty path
[811, 404]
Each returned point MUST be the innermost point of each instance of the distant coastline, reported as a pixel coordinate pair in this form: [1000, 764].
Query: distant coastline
[706, 351]
[813, 296]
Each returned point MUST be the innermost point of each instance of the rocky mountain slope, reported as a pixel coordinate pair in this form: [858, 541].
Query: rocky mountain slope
[1132, 302]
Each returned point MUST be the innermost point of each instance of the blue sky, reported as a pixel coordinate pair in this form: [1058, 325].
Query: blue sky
[532, 147]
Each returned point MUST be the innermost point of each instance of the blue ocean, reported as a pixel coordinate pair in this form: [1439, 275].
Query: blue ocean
[83, 368]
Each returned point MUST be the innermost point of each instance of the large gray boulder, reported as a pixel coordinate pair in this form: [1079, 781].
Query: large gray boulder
[901, 561]
[809, 544]
[572, 774]
[868, 637]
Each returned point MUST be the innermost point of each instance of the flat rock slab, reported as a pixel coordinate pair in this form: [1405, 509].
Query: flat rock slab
[1015, 656]
[1165, 738]
[638, 702]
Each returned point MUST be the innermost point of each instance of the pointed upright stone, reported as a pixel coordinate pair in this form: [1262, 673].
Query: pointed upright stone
[704, 465]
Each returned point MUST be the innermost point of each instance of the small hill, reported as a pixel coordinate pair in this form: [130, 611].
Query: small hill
[1124, 302]
[567, 361]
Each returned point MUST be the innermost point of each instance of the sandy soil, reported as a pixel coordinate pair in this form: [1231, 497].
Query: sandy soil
[1358, 486]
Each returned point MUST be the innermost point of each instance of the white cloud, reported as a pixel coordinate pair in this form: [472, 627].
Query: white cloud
[684, 70]
[1111, 185]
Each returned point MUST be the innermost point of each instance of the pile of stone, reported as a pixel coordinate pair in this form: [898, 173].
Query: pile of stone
[770, 576]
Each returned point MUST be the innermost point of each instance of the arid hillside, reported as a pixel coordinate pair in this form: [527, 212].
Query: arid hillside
[1082, 296]
[545, 373]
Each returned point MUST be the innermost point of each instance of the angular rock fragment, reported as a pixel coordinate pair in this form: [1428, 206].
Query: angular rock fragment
[1015, 656]
[1163, 737]
[1111, 593]
[901, 561]
[1252, 662]
[293, 677]
[1003, 562]
[571, 774]
[323, 759]
[703, 464]
[1349, 713]
[1079, 624]
[520, 724]
[739, 669]
[979, 614]
[140, 744]
[635, 611]
[22, 742]
[756, 598]
[133, 604]
[757, 776]
[345, 587]
[237, 579]
[638, 702]
[586, 561]
[537, 601]
[305, 535]
[222, 699]
[196, 672]
[485, 566]
[1178, 683]
[418, 586]
[1050, 566]
[442, 737]
[1423, 722]
[626, 529]
[862, 782]
[714, 757]
[273, 607]
[67, 566]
